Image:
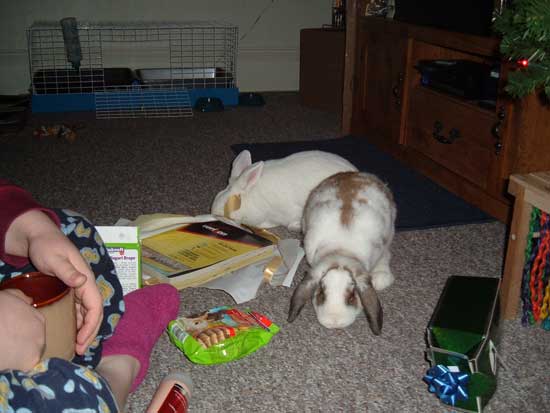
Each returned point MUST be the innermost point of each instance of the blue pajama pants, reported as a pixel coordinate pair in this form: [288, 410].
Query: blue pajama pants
[57, 385]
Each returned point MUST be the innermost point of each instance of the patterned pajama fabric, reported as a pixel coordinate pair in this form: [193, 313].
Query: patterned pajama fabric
[57, 385]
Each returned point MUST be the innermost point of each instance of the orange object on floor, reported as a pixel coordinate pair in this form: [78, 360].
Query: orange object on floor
[60, 131]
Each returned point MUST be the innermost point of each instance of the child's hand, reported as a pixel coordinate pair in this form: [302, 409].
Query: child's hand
[35, 235]
[23, 331]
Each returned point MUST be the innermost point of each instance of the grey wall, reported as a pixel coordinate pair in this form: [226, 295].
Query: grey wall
[268, 55]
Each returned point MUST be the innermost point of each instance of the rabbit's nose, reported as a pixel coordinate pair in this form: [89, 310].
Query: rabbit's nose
[335, 321]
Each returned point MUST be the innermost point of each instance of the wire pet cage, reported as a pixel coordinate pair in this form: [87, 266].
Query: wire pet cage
[143, 69]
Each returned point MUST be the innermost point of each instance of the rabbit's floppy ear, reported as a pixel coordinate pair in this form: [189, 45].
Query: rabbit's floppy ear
[372, 307]
[301, 295]
[240, 163]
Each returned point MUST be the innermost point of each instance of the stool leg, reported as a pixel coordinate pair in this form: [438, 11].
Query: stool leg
[510, 290]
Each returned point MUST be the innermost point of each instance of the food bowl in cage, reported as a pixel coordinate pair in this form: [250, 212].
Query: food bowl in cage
[188, 77]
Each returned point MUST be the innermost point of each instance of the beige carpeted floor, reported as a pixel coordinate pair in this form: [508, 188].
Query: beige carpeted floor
[125, 168]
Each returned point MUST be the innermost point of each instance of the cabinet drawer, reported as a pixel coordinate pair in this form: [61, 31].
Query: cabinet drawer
[454, 134]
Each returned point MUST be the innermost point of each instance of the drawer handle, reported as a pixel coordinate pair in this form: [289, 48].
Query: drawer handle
[454, 134]
[396, 90]
[496, 131]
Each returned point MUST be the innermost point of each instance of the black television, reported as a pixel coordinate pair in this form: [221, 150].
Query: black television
[464, 16]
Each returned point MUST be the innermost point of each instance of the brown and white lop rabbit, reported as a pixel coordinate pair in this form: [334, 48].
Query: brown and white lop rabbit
[348, 224]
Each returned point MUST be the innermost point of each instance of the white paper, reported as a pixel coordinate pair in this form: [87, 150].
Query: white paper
[292, 254]
[243, 284]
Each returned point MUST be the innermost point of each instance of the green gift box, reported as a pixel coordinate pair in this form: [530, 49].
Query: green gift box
[463, 335]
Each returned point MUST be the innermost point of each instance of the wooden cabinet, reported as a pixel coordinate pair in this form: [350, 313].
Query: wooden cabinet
[454, 135]
[322, 68]
[470, 149]
[380, 88]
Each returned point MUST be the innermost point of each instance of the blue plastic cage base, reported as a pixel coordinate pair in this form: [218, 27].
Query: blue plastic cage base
[81, 102]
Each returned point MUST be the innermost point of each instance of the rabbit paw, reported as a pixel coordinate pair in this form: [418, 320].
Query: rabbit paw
[382, 279]
[295, 226]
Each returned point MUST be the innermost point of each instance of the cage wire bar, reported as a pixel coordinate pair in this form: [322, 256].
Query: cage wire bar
[133, 69]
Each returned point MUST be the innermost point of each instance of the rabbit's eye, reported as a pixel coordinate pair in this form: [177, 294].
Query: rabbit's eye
[351, 298]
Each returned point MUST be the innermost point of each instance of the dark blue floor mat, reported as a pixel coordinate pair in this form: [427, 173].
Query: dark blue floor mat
[421, 203]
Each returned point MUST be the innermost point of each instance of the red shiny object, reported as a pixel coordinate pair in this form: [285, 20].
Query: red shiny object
[523, 62]
[42, 288]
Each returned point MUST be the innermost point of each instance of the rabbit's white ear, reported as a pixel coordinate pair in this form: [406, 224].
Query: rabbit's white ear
[240, 163]
[372, 307]
[250, 176]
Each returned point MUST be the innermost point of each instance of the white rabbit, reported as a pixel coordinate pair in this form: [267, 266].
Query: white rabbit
[348, 225]
[273, 193]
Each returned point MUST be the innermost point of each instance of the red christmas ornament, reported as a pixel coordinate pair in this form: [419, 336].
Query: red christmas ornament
[523, 62]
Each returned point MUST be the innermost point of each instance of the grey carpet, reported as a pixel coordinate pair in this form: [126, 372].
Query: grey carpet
[130, 167]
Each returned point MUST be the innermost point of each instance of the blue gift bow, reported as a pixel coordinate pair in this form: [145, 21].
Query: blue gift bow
[448, 386]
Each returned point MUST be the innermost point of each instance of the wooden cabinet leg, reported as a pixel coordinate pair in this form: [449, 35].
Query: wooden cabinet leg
[510, 292]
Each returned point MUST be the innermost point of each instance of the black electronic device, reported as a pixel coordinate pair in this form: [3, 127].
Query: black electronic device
[463, 78]
[466, 16]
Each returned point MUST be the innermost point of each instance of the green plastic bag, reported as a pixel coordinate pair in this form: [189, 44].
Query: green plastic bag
[221, 334]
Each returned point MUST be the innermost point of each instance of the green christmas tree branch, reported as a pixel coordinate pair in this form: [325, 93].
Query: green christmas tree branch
[525, 30]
